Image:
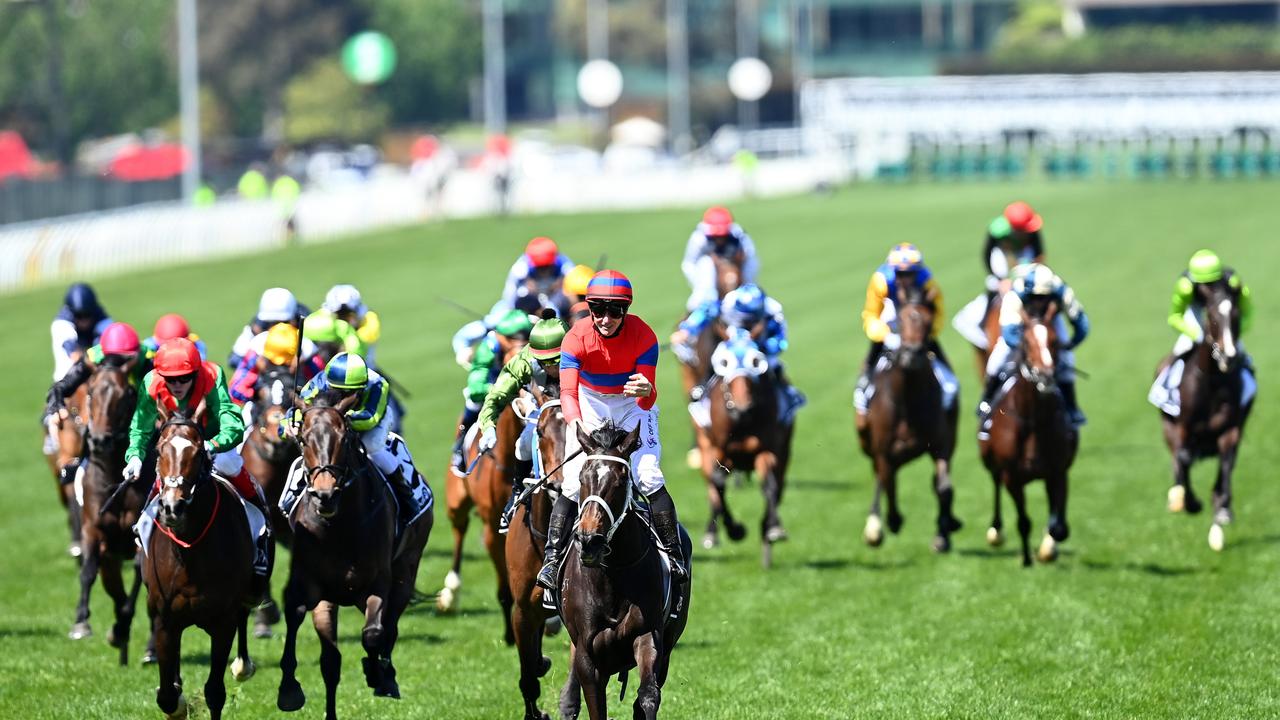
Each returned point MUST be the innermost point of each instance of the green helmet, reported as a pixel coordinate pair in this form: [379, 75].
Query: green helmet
[999, 228]
[1205, 267]
[545, 339]
[347, 371]
[515, 322]
[321, 326]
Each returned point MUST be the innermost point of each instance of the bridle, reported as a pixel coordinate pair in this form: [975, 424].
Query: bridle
[341, 472]
[628, 503]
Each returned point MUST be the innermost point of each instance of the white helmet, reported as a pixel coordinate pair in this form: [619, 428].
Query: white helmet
[342, 296]
[277, 305]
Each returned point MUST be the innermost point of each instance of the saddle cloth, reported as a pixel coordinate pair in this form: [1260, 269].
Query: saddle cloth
[257, 522]
[1166, 396]
[946, 380]
[423, 498]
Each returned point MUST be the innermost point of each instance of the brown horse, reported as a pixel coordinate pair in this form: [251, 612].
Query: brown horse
[198, 566]
[611, 590]
[745, 435]
[110, 510]
[695, 368]
[63, 452]
[1212, 416]
[485, 489]
[905, 419]
[1031, 436]
[345, 553]
[268, 457]
[526, 544]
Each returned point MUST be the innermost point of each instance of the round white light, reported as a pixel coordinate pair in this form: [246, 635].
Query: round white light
[749, 78]
[600, 83]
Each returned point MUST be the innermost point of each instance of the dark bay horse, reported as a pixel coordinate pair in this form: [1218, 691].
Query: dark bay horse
[695, 366]
[63, 451]
[526, 544]
[345, 553]
[485, 490]
[1212, 415]
[906, 418]
[612, 595]
[198, 566]
[1031, 436]
[745, 435]
[268, 457]
[108, 516]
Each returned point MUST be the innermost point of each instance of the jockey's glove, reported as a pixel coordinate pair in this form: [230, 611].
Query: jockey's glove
[210, 449]
[132, 469]
[488, 439]
[892, 341]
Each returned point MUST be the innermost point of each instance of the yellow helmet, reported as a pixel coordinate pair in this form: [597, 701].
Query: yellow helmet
[576, 280]
[281, 344]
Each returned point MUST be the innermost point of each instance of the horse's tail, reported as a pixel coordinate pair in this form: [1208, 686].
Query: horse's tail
[622, 678]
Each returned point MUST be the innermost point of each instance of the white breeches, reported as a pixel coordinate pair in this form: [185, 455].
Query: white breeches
[524, 445]
[968, 322]
[228, 464]
[646, 470]
[1066, 368]
[703, 284]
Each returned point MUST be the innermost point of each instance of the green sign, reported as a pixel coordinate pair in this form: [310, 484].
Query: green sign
[369, 57]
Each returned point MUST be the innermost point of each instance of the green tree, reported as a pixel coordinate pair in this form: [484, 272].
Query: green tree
[324, 104]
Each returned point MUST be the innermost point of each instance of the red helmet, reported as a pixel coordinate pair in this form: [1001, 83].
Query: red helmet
[177, 357]
[718, 221]
[609, 285]
[171, 326]
[119, 339]
[542, 251]
[1022, 218]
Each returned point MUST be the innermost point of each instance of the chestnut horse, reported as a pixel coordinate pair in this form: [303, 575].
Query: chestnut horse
[109, 511]
[485, 489]
[345, 552]
[612, 593]
[695, 365]
[64, 447]
[1212, 415]
[906, 418]
[1030, 435]
[744, 435]
[526, 544]
[198, 566]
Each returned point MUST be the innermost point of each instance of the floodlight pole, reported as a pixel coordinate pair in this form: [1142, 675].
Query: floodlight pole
[495, 69]
[748, 17]
[678, 76]
[189, 96]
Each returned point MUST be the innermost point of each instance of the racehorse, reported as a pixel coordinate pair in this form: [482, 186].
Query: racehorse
[744, 434]
[109, 510]
[614, 585]
[1030, 435]
[268, 457]
[485, 489]
[198, 565]
[63, 453]
[1213, 414]
[906, 417]
[695, 364]
[345, 552]
[525, 547]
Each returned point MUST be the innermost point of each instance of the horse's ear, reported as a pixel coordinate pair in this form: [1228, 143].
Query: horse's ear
[347, 403]
[721, 330]
[1051, 312]
[163, 413]
[298, 402]
[200, 408]
[584, 438]
[631, 443]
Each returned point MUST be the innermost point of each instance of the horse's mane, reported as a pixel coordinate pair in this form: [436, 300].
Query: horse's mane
[114, 361]
[329, 397]
[551, 390]
[608, 436]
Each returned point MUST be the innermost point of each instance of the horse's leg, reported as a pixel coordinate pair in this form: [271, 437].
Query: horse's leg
[995, 533]
[571, 693]
[269, 613]
[131, 609]
[527, 621]
[593, 686]
[169, 695]
[289, 696]
[215, 688]
[90, 558]
[768, 470]
[890, 480]
[1017, 489]
[497, 546]
[1228, 447]
[371, 637]
[458, 504]
[873, 532]
[947, 522]
[325, 618]
[112, 570]
[1181, 496]
[149, 654]
[647, 649]
[243, 667]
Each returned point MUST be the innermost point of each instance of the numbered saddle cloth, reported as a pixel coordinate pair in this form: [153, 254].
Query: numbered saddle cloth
[422, 501]
[1166, 396]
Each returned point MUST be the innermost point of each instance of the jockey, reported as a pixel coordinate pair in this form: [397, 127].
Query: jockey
[344, 302]
[181, 379]
[169, 327]
[537, 363]
[119, 346]
[575, 287]
[717, 234]
[1187, 308]
[77, 327]
[277, 305]
[330, 335]
[1036, 280]
[1013, 238]
[904, 267]
[347, 374]
[277, 346]
[484, 370]
[607, 368]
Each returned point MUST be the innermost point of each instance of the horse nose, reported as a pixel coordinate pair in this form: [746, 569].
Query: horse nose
[100, 443]
[591, 548]
[173, 507]
[326, 498]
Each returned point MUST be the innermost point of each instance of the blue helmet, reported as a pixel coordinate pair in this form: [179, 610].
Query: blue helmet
[746, 304]
[82, 302]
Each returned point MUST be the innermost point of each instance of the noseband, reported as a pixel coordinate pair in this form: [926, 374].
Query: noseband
[614, 522]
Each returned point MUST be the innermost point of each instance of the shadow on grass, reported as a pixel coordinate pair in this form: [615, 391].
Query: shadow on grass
[1253, 540]
[989, 552]
[859, 563]
[1149, 568]
[840, 486]
[30, 632]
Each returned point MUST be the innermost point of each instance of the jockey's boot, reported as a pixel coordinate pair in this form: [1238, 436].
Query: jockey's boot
[264, 549]
[458, 457]
[523, 469]
[403, 488]
[984, 406]
[1074, 414]
[562, 515]
[664, 522]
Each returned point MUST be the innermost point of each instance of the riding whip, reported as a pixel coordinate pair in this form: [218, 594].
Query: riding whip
[297, 357]
[459, 307]
[529, 489]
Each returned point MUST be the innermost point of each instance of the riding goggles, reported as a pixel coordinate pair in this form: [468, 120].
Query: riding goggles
[612, 309]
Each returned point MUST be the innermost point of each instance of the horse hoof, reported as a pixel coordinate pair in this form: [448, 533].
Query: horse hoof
[1193, 505]
[388, 689]
[1048, 551]
[1222, 517]
[895, 523]
[736, 531]
[544, 666]
[693, 459]
[180, 712]
[775, 534]
[73, 550]
[995, 538]
[1177, 499]
[873, 533]
[1217, 539]
[446, 601]
[262, 631]
[242, 669]
[941, 544]
[710, 541]
[149, 658]
[290, 699]
[553, 626]
[80, 631]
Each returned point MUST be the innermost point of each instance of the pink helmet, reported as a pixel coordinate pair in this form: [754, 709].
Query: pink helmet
[120, 339]
[171, 326]
[717, 221]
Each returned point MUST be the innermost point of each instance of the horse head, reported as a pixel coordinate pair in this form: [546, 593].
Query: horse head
[183, 467]
[739, 363]
[111, 399]
[728, 271]
[1222, 323]
[607, 489]
[1039, 344]
[916, 312]
[326, 439]
[551, 428]
[272, 400]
